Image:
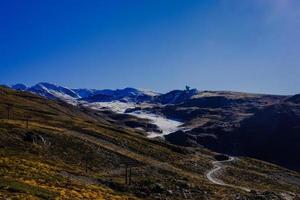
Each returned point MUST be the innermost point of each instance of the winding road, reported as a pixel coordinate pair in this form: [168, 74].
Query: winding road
[217, 168]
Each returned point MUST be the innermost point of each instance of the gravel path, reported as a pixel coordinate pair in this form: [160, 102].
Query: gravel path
[217, 169]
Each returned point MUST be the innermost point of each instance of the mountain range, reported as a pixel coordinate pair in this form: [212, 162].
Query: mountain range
[53, 91]
[256, 125]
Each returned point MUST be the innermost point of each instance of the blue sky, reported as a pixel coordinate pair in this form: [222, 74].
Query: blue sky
[249, 45]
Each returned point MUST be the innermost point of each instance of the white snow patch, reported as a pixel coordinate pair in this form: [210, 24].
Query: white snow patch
[167, 126]
[149, 92]
[62, 96]
[115, 106]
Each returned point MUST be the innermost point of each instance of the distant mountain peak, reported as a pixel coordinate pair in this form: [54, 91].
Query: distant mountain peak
[19, 86]
[53, 91]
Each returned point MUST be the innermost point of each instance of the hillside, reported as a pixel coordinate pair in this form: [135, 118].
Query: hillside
[50, 149]
[260, 126]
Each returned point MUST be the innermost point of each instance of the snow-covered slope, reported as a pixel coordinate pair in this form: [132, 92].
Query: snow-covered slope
[115, 106]
[167, 126]
[52, 91]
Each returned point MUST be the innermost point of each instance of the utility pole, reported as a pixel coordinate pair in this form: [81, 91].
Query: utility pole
[8, 107]
[86, 165]
[87, 158]
[126, 175]
[27, 118]
[130, 176]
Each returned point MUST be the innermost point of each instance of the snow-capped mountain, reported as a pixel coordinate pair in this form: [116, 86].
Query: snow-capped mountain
[123, 95]
[53, 91]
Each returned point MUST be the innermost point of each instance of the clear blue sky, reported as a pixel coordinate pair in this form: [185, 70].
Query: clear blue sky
[249, 45]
